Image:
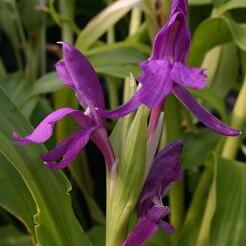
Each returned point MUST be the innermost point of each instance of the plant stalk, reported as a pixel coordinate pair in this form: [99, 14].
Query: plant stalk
[238, 121]
[172, 132]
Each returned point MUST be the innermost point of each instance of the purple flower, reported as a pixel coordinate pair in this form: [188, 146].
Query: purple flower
[77, 73]
[166, 72]
[165, 170]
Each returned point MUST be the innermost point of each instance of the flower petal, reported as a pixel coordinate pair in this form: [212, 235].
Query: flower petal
[156, 84]
[122, 110]
[143, 230]
[166, 227]
[165, 170]
[158, 212]
[177, 5]
[67, 151]
[202, 114]
[173, 40]
[45, 129]
[63, 74]
[188, 76]
[85, 80]
[100, 138]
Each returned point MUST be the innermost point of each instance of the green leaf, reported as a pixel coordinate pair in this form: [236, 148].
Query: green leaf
[215, 31]
[31, 17]
[14, 195]
[222, 68]
[200, 2]
[120, 71]
[229, 5]
[160, 238]
[56, 223]
[80, 173]
[9, 236]
[229, 224]
[97, 235]
[48, 83]
[19, 87]
[8, 22]
[190, 230]
[119, 58]
[210, 33]
[103, 21]
[195, 155]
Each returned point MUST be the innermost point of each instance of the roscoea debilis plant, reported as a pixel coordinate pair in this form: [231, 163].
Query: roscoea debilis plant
[138, 174]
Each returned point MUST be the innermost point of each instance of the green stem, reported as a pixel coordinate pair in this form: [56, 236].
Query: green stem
[67, 11]
[23, 40]
[238, 122]
[43, 43]
[135, 20]
[173, 131]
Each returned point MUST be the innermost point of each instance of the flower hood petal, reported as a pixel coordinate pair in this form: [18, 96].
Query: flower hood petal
[83, 76]
[173, 40]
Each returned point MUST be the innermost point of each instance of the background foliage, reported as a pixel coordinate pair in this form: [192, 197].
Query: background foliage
[68, 208]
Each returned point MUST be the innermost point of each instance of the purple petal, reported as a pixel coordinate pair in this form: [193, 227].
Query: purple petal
[202, 114]
[179, 5]
[45, 129]
[83, 75]
[63, 74]
[173, 40]
[188, 76]
[100, 138]
[165, 170]
[166, 227]
[143, 230]
[157, 212]
[67, 151]
[156, 84]
[122, 110]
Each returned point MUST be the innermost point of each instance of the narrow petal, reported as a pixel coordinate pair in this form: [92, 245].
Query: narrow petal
[45, 129]
[143, 230]
[188, 76]
[156, 84]
[67, 151]
[100, 138]
[202, 114]
[63, 74]
[166, 227]
[85, 80]
[173, 40]
[165, 170]
[122, 110]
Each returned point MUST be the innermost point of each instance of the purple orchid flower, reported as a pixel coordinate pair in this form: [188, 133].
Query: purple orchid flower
[165, 170]
[77, 73]
[165, 72]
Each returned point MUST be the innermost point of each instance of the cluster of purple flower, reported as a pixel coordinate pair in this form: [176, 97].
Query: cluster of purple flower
[163, 73]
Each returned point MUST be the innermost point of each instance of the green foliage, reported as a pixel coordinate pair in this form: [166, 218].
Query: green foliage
[54, 226]
[208, 206]
[15, 197]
